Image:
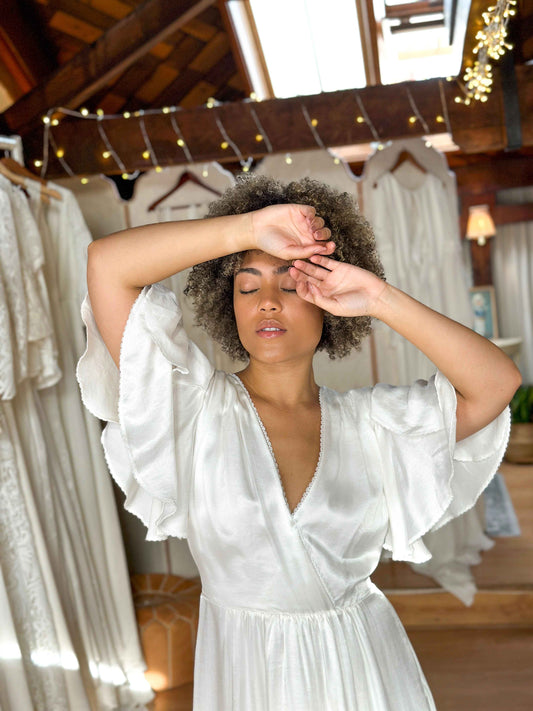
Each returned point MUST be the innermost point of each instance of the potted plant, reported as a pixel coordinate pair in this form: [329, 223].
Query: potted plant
[520, 448]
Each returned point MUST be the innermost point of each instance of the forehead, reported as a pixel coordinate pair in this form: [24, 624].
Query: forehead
[263, 262]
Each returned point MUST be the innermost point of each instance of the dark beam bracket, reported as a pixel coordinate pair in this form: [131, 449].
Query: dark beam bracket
[511, 104]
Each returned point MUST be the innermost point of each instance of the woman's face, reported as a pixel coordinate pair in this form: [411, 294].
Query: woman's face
[273, 322]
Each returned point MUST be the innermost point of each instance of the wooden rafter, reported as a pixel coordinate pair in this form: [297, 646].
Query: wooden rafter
[475, 128]
[369, 40]
[90, 70]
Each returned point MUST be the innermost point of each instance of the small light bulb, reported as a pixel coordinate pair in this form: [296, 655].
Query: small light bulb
[205, 172]
[37, 163]
[84, 181]
[180, 142]
[158, 169]
[253, 96]
[336, 161]
[380, 146]
[99, 112]
[106, 154]
[224, 145]
[46, 119]
[84, 112]
[412, 119]
[146, 155]
[60, 153]
[245, 168]
[288, 159]
[439, 119]
[210, 102]
[125, 176]
[55, 122]
[259, 138]
[314, 122]
[126, 114]
[166, 110]
[360, 119]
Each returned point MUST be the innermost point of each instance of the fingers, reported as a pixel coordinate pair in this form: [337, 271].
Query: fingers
[311, 293]
[307, 251]
[311, 270]
[302, 278]
[324, 261]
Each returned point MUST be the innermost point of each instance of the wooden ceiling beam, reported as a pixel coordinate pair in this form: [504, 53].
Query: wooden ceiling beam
[475, 128]
[23, 49]
[91, 69]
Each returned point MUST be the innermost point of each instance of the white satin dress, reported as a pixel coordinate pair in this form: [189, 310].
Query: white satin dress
[289, 618]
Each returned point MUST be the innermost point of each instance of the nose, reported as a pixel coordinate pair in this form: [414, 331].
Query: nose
[269, 301]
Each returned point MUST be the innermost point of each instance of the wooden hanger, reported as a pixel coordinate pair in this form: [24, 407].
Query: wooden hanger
[406, 156]
[186, 177]
[18, 175]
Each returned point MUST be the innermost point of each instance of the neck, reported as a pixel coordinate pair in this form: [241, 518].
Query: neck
[283, 384]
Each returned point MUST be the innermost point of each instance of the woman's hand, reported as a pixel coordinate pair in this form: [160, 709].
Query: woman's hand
[290, 232]
[337, 287]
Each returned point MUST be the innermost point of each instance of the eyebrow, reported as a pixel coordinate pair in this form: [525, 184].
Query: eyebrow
[251, 270]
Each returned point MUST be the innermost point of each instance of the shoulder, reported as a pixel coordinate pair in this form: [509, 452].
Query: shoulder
[354, 403]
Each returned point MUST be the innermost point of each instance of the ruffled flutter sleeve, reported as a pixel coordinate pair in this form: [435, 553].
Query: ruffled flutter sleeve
[151, 406]
[428, 477]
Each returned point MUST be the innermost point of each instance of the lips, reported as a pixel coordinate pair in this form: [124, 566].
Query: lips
[270, 328]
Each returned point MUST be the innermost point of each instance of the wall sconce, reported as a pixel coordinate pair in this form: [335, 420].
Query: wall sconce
[480, 224]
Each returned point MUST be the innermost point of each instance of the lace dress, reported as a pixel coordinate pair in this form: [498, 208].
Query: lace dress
[289, 617]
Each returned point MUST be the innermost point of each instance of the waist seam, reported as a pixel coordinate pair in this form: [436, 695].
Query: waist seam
[370, 589]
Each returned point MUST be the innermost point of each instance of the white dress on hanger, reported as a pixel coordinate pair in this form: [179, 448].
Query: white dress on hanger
[289, 618]
[96, 594]
[43, 367]
[13, 287]
[415, 220]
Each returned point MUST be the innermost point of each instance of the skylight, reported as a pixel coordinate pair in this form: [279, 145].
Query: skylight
[314, 46]
[310, 46]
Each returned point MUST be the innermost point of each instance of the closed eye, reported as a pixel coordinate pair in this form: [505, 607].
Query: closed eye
[247, 292]
[293, 290]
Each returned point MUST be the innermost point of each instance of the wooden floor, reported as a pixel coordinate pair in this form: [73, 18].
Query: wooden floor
[475, 659]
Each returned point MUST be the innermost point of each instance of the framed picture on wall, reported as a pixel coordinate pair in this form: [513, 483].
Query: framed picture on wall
[483, 304]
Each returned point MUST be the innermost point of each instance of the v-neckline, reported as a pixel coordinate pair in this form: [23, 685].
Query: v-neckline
[309, 486]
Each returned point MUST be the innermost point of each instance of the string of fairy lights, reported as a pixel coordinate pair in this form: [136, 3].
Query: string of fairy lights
[492, 43]
[362, 117]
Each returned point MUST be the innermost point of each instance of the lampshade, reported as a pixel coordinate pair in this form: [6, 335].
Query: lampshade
[480, 224]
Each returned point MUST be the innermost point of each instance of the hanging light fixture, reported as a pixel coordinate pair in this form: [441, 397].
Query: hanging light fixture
[480, 224]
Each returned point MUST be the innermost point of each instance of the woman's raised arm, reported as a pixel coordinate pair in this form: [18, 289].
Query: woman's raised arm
[484, 378]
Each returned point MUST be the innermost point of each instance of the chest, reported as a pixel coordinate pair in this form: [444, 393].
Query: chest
[295, 442]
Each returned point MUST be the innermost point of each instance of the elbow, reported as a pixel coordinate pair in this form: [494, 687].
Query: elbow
[514, 379]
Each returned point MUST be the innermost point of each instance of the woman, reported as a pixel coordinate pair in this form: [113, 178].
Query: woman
[286, 491]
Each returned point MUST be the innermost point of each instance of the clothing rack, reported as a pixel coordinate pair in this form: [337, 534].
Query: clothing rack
[13, 144]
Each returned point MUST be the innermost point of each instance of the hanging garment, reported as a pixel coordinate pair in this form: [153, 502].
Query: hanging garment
[415, 221]
[73, 506]
[289, 618]
[417, 239]
[512, 262]
[40, 638]
[14, 310]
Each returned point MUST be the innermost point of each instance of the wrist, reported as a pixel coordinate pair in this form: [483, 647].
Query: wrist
[239, 233]
[384, 301]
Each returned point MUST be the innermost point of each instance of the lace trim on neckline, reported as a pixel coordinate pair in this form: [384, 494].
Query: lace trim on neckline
[309, 486]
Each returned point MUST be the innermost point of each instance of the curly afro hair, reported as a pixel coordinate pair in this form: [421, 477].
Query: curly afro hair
[210, 284]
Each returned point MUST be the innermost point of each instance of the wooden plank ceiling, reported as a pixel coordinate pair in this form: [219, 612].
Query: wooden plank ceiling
[183, 66]
[119, 55]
